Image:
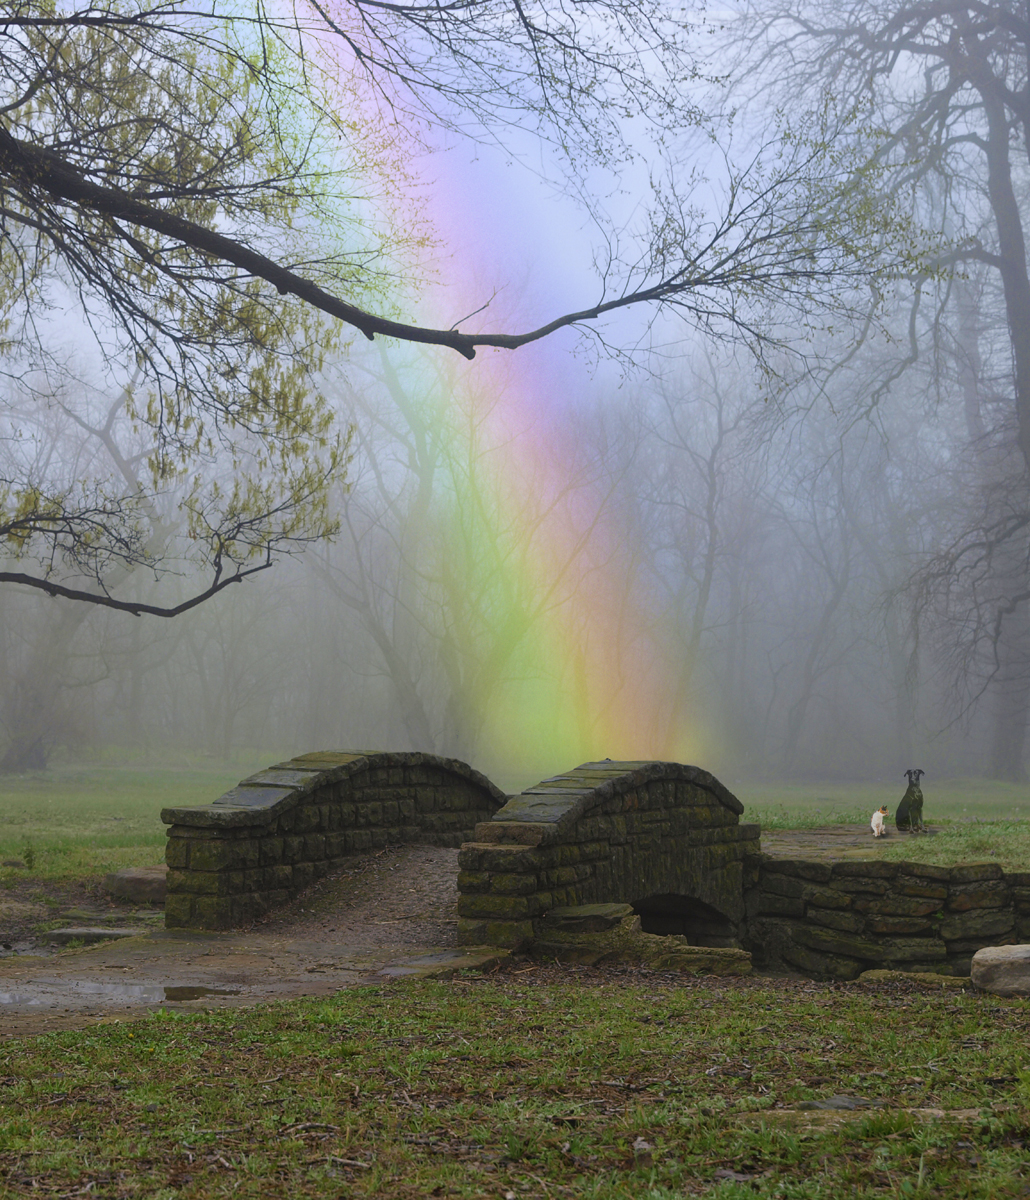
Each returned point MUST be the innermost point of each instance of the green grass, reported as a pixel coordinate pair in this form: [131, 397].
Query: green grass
[536, 1083]
[806, 805]
[81, 821]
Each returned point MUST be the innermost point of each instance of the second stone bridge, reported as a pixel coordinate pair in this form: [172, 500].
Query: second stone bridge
[663, 837]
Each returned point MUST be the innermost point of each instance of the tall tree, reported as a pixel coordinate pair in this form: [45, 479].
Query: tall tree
[946, 85]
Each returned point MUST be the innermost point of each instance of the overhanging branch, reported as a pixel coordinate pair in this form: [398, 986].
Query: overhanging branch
[58, 589]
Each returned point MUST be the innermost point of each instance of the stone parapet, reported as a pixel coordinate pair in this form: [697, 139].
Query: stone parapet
[254, 848]
[837, 920]
[642, 833]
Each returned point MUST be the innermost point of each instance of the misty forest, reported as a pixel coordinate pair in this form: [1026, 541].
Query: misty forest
[521, 384]
[403, 402]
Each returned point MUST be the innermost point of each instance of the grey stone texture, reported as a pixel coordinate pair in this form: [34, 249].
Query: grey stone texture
[1003, 970]
[264, 841]
[605, 832]
[863, 915]
[591, 934]
[142, 885]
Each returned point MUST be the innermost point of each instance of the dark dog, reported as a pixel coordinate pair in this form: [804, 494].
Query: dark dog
[910, 811]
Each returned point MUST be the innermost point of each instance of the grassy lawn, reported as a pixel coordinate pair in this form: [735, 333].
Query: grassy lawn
[806, 805]
[538, 1082]
[81, 821]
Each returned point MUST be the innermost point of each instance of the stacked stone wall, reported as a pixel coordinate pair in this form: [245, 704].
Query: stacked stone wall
[605, 832]
[267, 839]
[835, 920]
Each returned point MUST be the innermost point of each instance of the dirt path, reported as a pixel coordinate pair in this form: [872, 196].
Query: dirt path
[388, 914]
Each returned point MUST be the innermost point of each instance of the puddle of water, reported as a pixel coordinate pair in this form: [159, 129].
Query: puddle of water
[141, 993]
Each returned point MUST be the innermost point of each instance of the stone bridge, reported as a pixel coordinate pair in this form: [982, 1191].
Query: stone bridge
[663, 837]
[267, 839]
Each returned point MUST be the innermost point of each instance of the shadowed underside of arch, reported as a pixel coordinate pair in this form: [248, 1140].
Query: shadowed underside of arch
[607, 832]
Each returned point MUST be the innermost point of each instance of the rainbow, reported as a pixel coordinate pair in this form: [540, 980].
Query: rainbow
[589, 672]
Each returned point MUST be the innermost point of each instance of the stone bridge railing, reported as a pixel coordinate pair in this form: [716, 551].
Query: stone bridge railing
[661, 836]
[256, 847]
[837, 919]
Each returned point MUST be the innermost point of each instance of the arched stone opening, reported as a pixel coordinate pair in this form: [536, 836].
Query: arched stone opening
[700, 923]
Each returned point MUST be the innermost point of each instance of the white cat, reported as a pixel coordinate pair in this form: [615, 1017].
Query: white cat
[879, 828]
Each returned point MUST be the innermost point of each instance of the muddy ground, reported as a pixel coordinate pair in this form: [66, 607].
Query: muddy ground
[388, 914]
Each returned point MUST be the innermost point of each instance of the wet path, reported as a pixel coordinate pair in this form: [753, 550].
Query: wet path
[389, 914]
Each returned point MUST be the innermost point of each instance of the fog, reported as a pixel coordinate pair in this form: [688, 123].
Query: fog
[775, 548]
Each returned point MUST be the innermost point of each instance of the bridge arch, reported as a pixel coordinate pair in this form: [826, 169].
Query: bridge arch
[664, 837]
[261, 843]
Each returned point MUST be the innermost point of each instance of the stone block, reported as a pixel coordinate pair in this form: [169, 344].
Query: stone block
[864, 869]
[833, 918]
[314, 847]
[271, 851]
[927, 889]
[518, 885]
[177, 853]
[212, 912]
[345, 816]
[982, 894]
[306, 819]
[782, 885]
[897, 906]
[822, 966]
[141, 885]
[926, 976]
[335, 845]
[178, 911]
[779, 906]
[303, 875]
[971, 945]
[898, 925]
[976, 923]
[861, 887]
[825, 897]
[814, 872]
[474, 881]
[831, 941]
[212, 856]
[487, 906]
[511, 935]
[1023, 928]
[1020, 898]
[924, 871]
[586, 918]
[975, 872]
[281, 877]
[293, 849]
[1002, 970]
[914, 949]
[489, 856]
